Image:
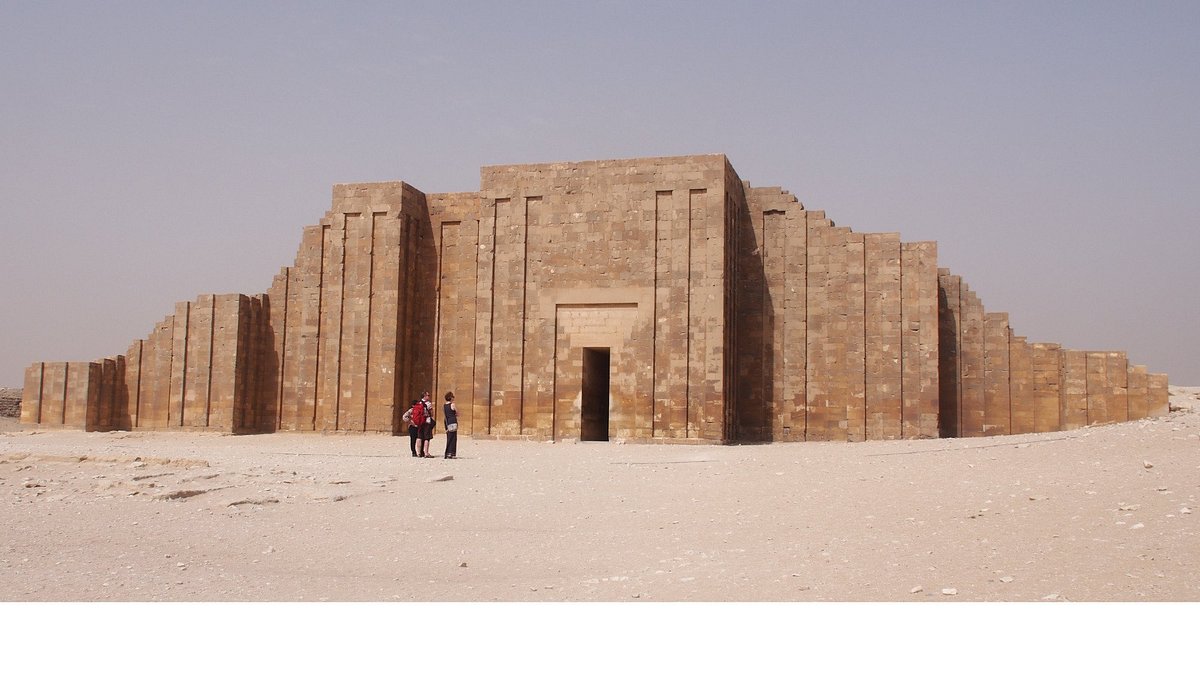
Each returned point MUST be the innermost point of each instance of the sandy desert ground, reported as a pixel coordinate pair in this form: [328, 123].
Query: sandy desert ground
[1096, 514]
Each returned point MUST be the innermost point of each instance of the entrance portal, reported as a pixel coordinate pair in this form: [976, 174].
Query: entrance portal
[594, 401]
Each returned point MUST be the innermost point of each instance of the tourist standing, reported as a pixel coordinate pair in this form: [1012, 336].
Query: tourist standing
[418, 414]
[412, 428]
[425, 428]
[450, 416]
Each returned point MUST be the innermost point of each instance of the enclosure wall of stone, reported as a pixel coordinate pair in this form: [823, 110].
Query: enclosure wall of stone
[656, 299]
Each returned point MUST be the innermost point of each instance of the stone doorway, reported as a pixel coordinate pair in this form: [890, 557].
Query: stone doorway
[595, 395]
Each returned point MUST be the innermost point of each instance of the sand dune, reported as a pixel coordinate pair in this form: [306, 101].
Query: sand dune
[1101, 513]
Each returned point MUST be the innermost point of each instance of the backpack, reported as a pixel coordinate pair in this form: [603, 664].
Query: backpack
[417, 414]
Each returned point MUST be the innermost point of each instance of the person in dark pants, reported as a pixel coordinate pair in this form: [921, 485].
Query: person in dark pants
[450, 414]
[423, 416]
[412, 428]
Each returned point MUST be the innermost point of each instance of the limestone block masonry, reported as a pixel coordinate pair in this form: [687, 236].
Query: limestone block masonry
[657, 300]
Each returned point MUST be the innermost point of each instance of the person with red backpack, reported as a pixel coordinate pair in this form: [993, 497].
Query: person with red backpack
[422, 417]
[416, 418]
[412, 428]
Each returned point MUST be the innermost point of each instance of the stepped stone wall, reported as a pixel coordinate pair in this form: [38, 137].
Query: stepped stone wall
[654, 299]
[346, 323]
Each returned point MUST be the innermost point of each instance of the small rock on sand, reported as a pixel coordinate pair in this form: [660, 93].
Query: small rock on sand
[441, 479]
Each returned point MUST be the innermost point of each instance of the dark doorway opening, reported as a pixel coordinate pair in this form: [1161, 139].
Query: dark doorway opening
[595, 394]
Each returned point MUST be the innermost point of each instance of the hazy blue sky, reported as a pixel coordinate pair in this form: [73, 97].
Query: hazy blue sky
[153, 151]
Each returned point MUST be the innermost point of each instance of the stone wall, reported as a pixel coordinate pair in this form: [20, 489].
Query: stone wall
[455, 224]
[194, 371]
[825, 319]
[996, 382]
[654, 299]
[10, 402]
[624, 256]
[350, 325]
